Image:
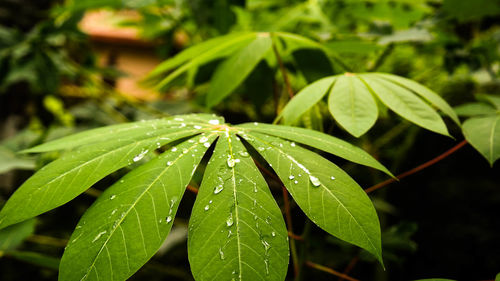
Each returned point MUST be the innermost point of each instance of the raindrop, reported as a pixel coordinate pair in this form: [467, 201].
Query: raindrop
[140, 155]
[190, 141]
[332, 177]
[207, 207]
[292, 144]
[185, 150]
[273, 234]
[99, 236]
[182, 125]
[231, 162]
[214, 122]
[255, 123]
[260, 148]
[291, 177]
[210, 202]
[218, 189]
[314, 180]
[112, 197]
[229, 233]
[296, 182]
[178, 119]
[197, 127]
[158, 145]
[207, 144]
[243, 153]
[221, 253]
[174, 149]
[114, 211]
[168, 219]
[169, 163]
[266, 261]
[203, 139]
[229, 220]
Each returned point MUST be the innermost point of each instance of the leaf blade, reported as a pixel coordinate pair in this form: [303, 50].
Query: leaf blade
[483, 133]
[236, 68]
[320, 141]
[352, 105]
[146, 201]
[248, 246]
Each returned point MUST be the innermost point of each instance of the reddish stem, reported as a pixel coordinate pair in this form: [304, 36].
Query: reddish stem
[330, 270]
[192, 189]
[418, 168]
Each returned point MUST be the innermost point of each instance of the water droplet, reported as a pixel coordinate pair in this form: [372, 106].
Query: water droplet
[266, 261]
[182, 125]
[158, 145]
[140, 155]
[168, 219]
[332, 177]
[191, 141]
[184, 151]
[243, 153]
[231, 162]
[214, 122]
[221, 253]
[229, 220]
[210, 202]
[203, 139]
[273, 234]
[218, 189]
[174, 149]
[260, 148]
[207, 144]
[314, 180]
[178, 119]
[207, 207]
[197, 127]
[112, 197]
[229, 233]
[296, 182]
[292, 144]
[291, 177]
[99, 235]
[169, 163]
[255, 123]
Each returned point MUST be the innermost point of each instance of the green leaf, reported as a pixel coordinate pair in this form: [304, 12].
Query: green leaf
[219, 50]
[236, 68]
[236, 230]
[129, 130]
[13, 236]
[305, 99]
[352, 105]
[493, 100]
[406, 104]
[326, 194]
[9, 161]
[320, 141]
[36, 259]
[422, 91]
[473, 109]
[483, 133]
[70, 175]
[131, 219]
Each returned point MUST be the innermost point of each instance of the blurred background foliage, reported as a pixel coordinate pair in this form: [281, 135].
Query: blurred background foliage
[67, 66]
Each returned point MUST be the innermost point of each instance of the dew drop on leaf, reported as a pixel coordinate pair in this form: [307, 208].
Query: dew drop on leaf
[174, 149]
[168, 219]
[169, 163]
[296, 182]
[99, 235]
[207, 207]
[292, 144]
[273, 234]
[197, 127]
[140, 155]
[112, 197]
[332, 177]
[207, 144]
[291, 177]
[203, 139]
[229, 221]
[243, 153]
[221, 253]
[214, 122]
[314, 180]
[218, 189]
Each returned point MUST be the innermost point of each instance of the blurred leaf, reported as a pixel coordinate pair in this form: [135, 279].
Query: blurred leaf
[313, 64]
[12, 236]
[236, 68]
[409, 35]
[473, 109]
[483, 133]
[10, 161]
[466, 10]
[36, 259]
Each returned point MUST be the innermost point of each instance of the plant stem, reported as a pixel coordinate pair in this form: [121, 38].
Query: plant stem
[288, 218]
[93, 192]
[47, 240]
[283, 71]
[350, 266]
[418, 168]
[192, 189]
[329, 270]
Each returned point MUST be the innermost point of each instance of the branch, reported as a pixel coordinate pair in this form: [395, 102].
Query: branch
[329, 270]
[418, 168]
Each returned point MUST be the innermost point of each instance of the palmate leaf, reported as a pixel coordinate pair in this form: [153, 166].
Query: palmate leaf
[235, 231]
[353, 108]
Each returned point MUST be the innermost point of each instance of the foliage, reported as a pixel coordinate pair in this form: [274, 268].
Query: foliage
[234, 209]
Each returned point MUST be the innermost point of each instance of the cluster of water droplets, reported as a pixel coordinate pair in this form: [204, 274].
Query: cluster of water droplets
[141, 155]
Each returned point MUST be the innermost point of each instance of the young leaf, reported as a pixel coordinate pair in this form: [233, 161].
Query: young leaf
[406, 104]
[305, 99]
[128, 223]
[70, 175]
[236, 68]
[352, 105]
[326, 194]
[220, 50]
[236, 230]
[483, 133]
[320, 141]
